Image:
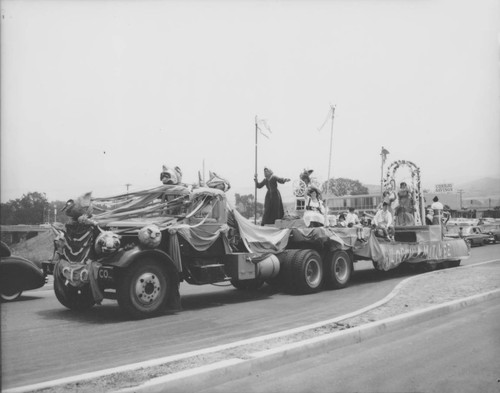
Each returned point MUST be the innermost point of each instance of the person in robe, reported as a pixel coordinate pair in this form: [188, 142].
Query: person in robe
[404, 211]
[273, 205]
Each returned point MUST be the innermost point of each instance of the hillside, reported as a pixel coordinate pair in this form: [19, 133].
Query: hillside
[39, 248]
[484, 187]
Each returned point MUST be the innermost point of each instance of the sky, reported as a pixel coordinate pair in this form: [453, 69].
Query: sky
[98, 95]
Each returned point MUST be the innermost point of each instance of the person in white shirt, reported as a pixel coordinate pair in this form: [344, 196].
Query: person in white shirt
[351, 218]
[383, 220]
[314, 213]
[437, 207]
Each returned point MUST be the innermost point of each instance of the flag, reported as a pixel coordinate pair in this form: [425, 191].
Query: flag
[384, 154]
[331, 113]
[262, 123]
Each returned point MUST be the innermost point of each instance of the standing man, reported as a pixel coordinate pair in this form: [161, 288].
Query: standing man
[437, 207]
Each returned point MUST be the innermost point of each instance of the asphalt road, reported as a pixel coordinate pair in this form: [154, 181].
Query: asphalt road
[457, 353]
[42, 341]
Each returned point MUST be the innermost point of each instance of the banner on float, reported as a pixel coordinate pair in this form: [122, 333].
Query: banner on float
[451, 249]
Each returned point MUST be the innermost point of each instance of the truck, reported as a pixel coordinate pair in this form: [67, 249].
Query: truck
[137, 249]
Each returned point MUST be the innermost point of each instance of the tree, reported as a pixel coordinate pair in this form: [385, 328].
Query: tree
[342, 186]
[32, 208]
[245, 205]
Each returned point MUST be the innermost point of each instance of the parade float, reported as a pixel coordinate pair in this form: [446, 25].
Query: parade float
[138, 247]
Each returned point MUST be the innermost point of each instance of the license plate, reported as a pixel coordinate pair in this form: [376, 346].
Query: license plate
[105, 273]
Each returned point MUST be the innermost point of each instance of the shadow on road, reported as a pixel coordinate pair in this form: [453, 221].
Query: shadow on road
[108, 312]
[223, 297]
[372, 275]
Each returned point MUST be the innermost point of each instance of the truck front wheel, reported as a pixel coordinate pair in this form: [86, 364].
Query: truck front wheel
[338, 269]
[143, 289]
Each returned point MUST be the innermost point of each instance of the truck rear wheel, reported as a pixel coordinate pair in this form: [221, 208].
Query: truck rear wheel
[338, 269]
[305, 271]
[143, 289]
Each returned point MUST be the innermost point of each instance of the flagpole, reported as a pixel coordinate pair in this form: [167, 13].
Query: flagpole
[381, 170]
[255, 177]
[331, 145]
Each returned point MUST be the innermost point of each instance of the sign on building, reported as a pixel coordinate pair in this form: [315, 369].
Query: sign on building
[444, 188]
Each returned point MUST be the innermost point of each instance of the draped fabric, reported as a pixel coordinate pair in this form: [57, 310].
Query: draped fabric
[261, 240]
[78, 274]
[199, 237]
[164, 203]
[76, 243]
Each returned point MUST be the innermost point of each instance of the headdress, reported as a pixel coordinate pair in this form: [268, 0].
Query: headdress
[310, 189]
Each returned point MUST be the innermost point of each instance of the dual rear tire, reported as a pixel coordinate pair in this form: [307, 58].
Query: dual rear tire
[305, 271]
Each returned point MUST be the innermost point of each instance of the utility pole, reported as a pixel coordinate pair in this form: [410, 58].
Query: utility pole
[460, 192]
[332, 108]
[127, 185]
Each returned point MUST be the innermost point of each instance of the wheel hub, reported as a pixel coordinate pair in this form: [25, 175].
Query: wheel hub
[341, 269]
[313, 274]
[147, 288]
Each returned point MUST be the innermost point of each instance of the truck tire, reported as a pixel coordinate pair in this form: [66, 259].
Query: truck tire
[305, 270]
[77, 299]
[143, 289]
[247, 285]
[338, 269]
[283, 279]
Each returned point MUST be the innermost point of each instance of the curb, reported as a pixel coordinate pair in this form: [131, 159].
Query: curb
[235, 368]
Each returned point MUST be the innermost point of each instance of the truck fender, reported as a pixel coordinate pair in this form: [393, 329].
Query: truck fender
[126, 258]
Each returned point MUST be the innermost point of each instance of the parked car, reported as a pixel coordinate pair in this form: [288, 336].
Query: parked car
[491, 229]
[471, 234]
[17, 274]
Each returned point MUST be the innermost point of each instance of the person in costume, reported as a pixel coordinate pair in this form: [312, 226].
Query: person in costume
[273, 205]
[404, 211]
[383, 221]
[388, 196]
[314, 213]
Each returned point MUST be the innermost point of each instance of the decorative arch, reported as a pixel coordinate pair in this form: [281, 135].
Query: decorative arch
[415, 186]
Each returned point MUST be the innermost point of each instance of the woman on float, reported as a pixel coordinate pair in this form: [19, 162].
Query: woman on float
[273, 205]
[314, 214]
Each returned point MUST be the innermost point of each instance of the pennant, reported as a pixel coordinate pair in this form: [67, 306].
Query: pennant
[384, 154]
[331, 113]
[263, 127]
